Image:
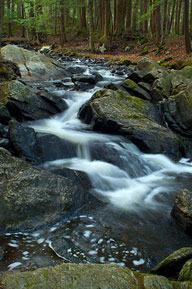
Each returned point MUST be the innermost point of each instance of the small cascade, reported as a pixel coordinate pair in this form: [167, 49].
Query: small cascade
[133, 226]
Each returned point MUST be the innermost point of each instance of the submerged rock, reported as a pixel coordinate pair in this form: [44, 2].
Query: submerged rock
[33, 64]
[25, 103]
[32, 197]
[182, 210]
[120, 113]
[171, 266]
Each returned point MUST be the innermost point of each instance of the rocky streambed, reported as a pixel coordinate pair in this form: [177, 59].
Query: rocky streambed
[93, 155]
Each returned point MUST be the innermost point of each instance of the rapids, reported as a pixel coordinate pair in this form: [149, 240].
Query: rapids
[132, 225]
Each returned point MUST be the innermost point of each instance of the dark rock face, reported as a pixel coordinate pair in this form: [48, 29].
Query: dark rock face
[182, 210]
[23, 141]
[51, 147]
[118, 112]
[4, 114]
[171, 266]
[24, 103]
[32, 197]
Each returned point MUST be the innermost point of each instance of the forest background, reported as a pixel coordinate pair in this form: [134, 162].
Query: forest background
[159, 28]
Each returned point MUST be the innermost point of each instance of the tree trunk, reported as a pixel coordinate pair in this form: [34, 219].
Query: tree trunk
[164, 22]
[63, 34]
[172, 16]
[186, 27]
[107, 18]
[178, 15]
[158, 24]
[1, 17]
[145, 12]
[120, 19]
[135, 8]
[128, 14]
[83, 15]
[90, 23]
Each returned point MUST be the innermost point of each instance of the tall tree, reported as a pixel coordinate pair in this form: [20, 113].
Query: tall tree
[63, 33]
[2, 2]
[90, 23]
[186, 26]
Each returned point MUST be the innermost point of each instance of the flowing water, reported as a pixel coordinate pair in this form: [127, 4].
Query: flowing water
[132, 226]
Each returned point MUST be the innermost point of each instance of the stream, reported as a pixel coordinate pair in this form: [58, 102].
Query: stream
[131, 225]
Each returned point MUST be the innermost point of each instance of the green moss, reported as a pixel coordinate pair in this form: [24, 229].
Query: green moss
[130, 84]
[144, 52]
[126, 61]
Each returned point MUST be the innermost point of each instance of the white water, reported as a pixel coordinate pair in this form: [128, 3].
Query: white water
[113, 183]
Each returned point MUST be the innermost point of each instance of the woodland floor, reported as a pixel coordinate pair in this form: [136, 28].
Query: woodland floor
[172, 51]
[174, 48]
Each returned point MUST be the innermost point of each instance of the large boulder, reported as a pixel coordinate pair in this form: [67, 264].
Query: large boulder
[86, 276]
[182, 210]
[33, 64]
[118, 112]
[30, 197]
[147, 71]
[23, 141]
[78, 276]
[178, 109]
[171, 266]
[25, 103]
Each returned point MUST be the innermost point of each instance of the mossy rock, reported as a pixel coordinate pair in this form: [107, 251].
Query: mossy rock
[182, 210]
[77, 276]
[8, 71]
[120, 113]
[25, 103]
[186, 272]
[144, 52]
[126, 61]
[171, 266]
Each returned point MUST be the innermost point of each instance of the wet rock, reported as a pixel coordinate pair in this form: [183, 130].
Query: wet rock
[121, 158]
[32, 64]
[186, 272]
[5, 143]
[4, 130]
[24, 103]
[23, 141]
[32, 197]
[51, 148]
[83, 86]
[76, 276]
[93, 79]
[171, 266]
[117, 112]
[4, 114]
[76, 69]
[182, 210]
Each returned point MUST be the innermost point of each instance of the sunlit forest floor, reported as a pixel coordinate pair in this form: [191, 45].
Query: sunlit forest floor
[171, 53]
